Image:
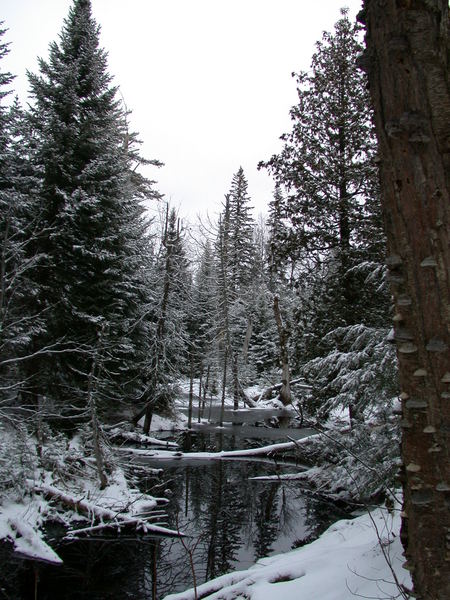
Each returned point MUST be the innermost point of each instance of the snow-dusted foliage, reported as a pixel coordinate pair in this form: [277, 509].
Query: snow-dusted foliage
[357, 464]
[93, 278]
[17, 460]
[358, 373]
[55, 478]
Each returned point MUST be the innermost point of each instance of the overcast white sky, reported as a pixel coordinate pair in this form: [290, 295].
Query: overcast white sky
[208, 81]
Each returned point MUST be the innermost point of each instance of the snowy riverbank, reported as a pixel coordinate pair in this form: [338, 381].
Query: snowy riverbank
[361, 557]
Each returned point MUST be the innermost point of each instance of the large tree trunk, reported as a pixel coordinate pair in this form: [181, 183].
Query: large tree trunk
[407, 63]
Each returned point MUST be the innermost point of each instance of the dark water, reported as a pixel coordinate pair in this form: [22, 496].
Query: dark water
[230, 521]
[231, 436]
[242, 415]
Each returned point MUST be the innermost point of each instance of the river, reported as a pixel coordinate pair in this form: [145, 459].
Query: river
[230, 520]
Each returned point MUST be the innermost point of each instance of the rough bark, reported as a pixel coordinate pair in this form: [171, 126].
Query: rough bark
[407, 62]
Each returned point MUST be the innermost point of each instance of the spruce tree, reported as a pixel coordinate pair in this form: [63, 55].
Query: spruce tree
[202, 314]
[236, 257]
[9, 223]
[241, 248]
[170, 285]
[19, 226]
[6, 201]
[93, 277]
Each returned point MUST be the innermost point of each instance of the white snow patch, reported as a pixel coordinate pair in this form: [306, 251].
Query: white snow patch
[159, 423]
[347, 561]
[20, 525]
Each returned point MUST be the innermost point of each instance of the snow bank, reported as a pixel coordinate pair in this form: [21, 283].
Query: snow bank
[20, 525]
[353, 558]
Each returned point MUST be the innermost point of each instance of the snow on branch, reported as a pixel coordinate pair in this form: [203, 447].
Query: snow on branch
[113, 518]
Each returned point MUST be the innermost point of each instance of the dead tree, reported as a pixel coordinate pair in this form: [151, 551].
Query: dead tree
[407, 60]
[285, 391]
[157, 364]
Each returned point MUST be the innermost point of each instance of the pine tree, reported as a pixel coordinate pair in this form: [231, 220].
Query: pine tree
[237, 258]
[93, 275]
[9, 222]
[241, 224]
[203, 311]
[283, 250]
[327, 170]
[6, 201]
[171, 291]
[19, 226]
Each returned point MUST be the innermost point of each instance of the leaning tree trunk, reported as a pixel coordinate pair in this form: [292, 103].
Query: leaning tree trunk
[408, 66]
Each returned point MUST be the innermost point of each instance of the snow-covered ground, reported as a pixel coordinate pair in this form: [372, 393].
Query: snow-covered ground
[357, 558]
[177, 422]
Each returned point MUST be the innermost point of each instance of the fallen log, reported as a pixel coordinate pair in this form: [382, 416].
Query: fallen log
[248, 401]
[94, 512]
[138, 524]
[139, 438]
[262, 451]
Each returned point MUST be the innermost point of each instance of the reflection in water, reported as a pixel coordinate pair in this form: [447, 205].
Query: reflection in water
[233, 521]
[230, 522]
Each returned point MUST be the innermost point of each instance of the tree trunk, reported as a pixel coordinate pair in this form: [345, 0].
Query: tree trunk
[205, 389]
[224, 386]
[191, 392]
[200, 383]
[407, 61]
[92, 407]
[248, 335]
[157, 364]
[285, 391]
[234, 361]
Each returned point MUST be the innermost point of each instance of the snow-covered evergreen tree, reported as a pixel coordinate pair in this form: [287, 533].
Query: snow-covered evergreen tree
[20, 321]
[325, 220]
[168, 349]
[327, 171]
[203, 310]
[10, 253]
[93, 275]
[241, 224]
